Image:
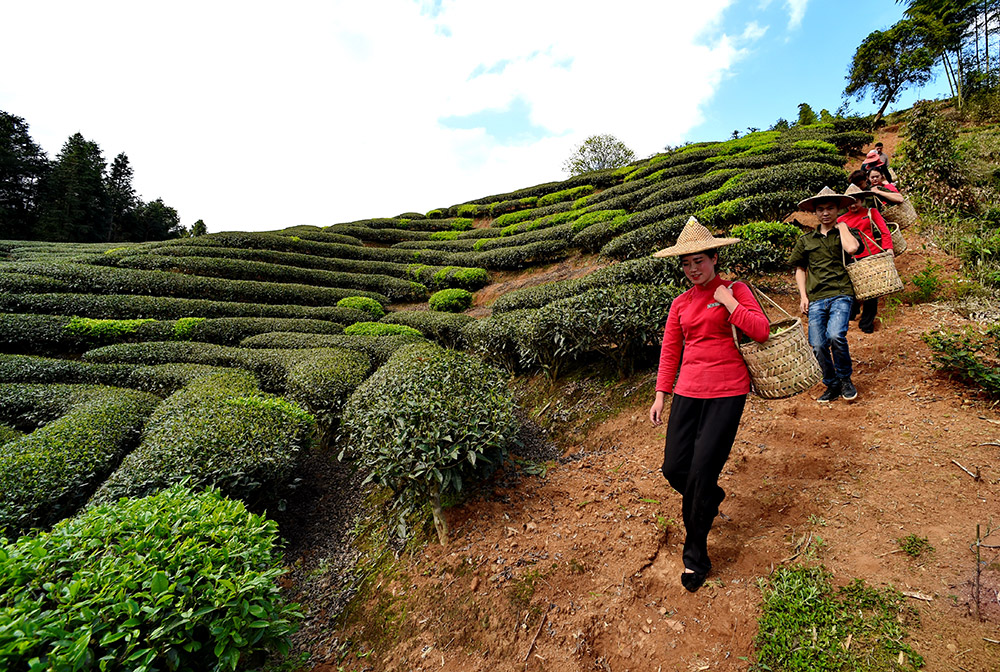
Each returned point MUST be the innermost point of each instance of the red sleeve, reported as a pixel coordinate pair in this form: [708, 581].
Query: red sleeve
[749, 317]
[670, 350]
[883, 229]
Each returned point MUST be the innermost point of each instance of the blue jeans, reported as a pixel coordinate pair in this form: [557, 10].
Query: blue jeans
[828, 320]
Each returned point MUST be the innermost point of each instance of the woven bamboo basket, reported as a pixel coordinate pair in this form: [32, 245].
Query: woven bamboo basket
[899, 246]
[874, 275]
[784, 364]
[902, 214]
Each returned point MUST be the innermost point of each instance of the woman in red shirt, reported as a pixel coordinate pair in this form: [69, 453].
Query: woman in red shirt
[876, 238]
[883, 189]
[710, 389]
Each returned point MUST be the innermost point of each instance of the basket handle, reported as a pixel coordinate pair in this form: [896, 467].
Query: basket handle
[757, 294]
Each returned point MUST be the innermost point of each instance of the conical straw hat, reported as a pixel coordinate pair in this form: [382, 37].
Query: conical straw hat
[857, 193]
[809, 204]
[694, 238]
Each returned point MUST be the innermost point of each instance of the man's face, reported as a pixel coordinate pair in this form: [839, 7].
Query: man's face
[826, 212]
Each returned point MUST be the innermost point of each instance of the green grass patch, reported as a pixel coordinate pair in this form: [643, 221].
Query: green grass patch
[808, 626]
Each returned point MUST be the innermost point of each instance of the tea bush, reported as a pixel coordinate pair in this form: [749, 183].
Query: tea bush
[972, 356]
[497, 339]
[113, 306]
[780, 234]
[219, 431]
[380, 329]
[445, 328]
[78, 435]
[596, 236]
[644, 241]
[29, 283]
[373, 308]
[596, 217]
[237, 269]
[377, 348]
[180, 580]
[101, 279]
[452, 418]
[512, 258]
[451, 300]
[570, 194]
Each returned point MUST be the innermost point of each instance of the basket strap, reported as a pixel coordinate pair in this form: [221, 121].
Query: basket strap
[871, 222]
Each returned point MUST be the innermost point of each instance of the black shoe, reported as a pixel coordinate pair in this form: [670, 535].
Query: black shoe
[868, 330]
[832, 394]
[693, 580]
[847, 389]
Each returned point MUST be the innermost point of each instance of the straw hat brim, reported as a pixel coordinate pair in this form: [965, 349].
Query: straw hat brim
[809, 204]
[695, 246]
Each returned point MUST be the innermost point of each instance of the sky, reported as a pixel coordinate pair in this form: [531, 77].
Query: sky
[257, 116]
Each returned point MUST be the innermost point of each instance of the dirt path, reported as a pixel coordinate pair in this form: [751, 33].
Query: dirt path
[579, 570]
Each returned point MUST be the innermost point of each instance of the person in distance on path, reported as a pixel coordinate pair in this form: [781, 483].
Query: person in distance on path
[711, 387]
[875, 238]
[825, 290]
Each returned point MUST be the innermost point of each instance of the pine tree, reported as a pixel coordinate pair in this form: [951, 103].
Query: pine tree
[74, 203]
[22, 165]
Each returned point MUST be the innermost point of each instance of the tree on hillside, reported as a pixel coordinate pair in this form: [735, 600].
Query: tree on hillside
[199, 228]
[157, 221]
[888, 61]
[598, 152]
[122, 198]
[22, 165]
[74, 204]
[806, 115]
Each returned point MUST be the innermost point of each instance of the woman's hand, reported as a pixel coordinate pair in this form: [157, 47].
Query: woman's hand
[656, 410]
[724, 295]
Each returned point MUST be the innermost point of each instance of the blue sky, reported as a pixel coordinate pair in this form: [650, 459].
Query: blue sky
[256, 116]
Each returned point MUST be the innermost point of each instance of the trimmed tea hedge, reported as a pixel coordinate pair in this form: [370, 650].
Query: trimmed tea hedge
[512, 258]
[445, 328]
[380, 329]
[396, 289]
[218, 431]
[114, 306]
[363, 303]
[181, 580]
[497, 338]
[80, 434]
[378, 348]
[108, 280]
[452, 418]
[26, 283]
[646, 240]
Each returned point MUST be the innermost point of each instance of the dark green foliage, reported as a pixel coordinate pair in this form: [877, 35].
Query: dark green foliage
[443, 327]
[451, 300]
[511, 258]
[452, 418]
[680, 188]
[646, 240]
[595, 217]
[380, 329]
[645, 270]
[597, 235]
[565, 195]
[850, 142]
[8, 434]
[234, 269]
[23, 165]
[220, 431]
[616, 322]
[78, 435]
[363, 303]
[378, 348]
[805, 623]
[182, 580]
[93, 279]
[73, 204]
[931, 165]
[497, 339]
[763, 247]
[971, 355]
[113, 306]
[27, 283]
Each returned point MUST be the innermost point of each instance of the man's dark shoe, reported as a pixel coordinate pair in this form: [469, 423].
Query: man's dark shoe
[831, 394]
[847, 389]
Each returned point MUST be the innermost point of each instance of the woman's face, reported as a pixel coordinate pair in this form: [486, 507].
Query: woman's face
[856, 206]
[876, 178]
[699, 268]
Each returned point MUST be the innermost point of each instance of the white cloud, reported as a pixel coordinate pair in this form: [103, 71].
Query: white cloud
[250, 117]
[796, 12]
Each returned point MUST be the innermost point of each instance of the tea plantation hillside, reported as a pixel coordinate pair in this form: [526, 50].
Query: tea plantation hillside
[158, 369]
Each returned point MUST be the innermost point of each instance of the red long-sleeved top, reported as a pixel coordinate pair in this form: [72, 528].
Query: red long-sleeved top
[861, 222]
[699, 326]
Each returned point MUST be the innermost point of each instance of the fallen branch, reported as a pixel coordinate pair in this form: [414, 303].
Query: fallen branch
[989, 444]
[975, 477]
[991, 641]
[534, 639]
[918, 596]
[882, 555]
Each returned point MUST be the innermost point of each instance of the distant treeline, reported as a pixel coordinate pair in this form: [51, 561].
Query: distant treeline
[75, 197]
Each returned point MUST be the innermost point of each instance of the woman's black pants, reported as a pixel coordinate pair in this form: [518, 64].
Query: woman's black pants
[700, 434]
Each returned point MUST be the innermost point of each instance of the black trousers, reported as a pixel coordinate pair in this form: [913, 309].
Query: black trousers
[700, 434]
[869, 310]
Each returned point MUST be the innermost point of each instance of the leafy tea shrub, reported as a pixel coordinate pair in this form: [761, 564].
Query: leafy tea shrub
[445, 328]
[971, 355]
[452, 421]
[380, 329]
[451, 300]
[180, 580]
[370, 306]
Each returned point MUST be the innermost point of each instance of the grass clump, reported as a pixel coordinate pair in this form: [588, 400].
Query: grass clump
[807, 626]
[915, 546]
